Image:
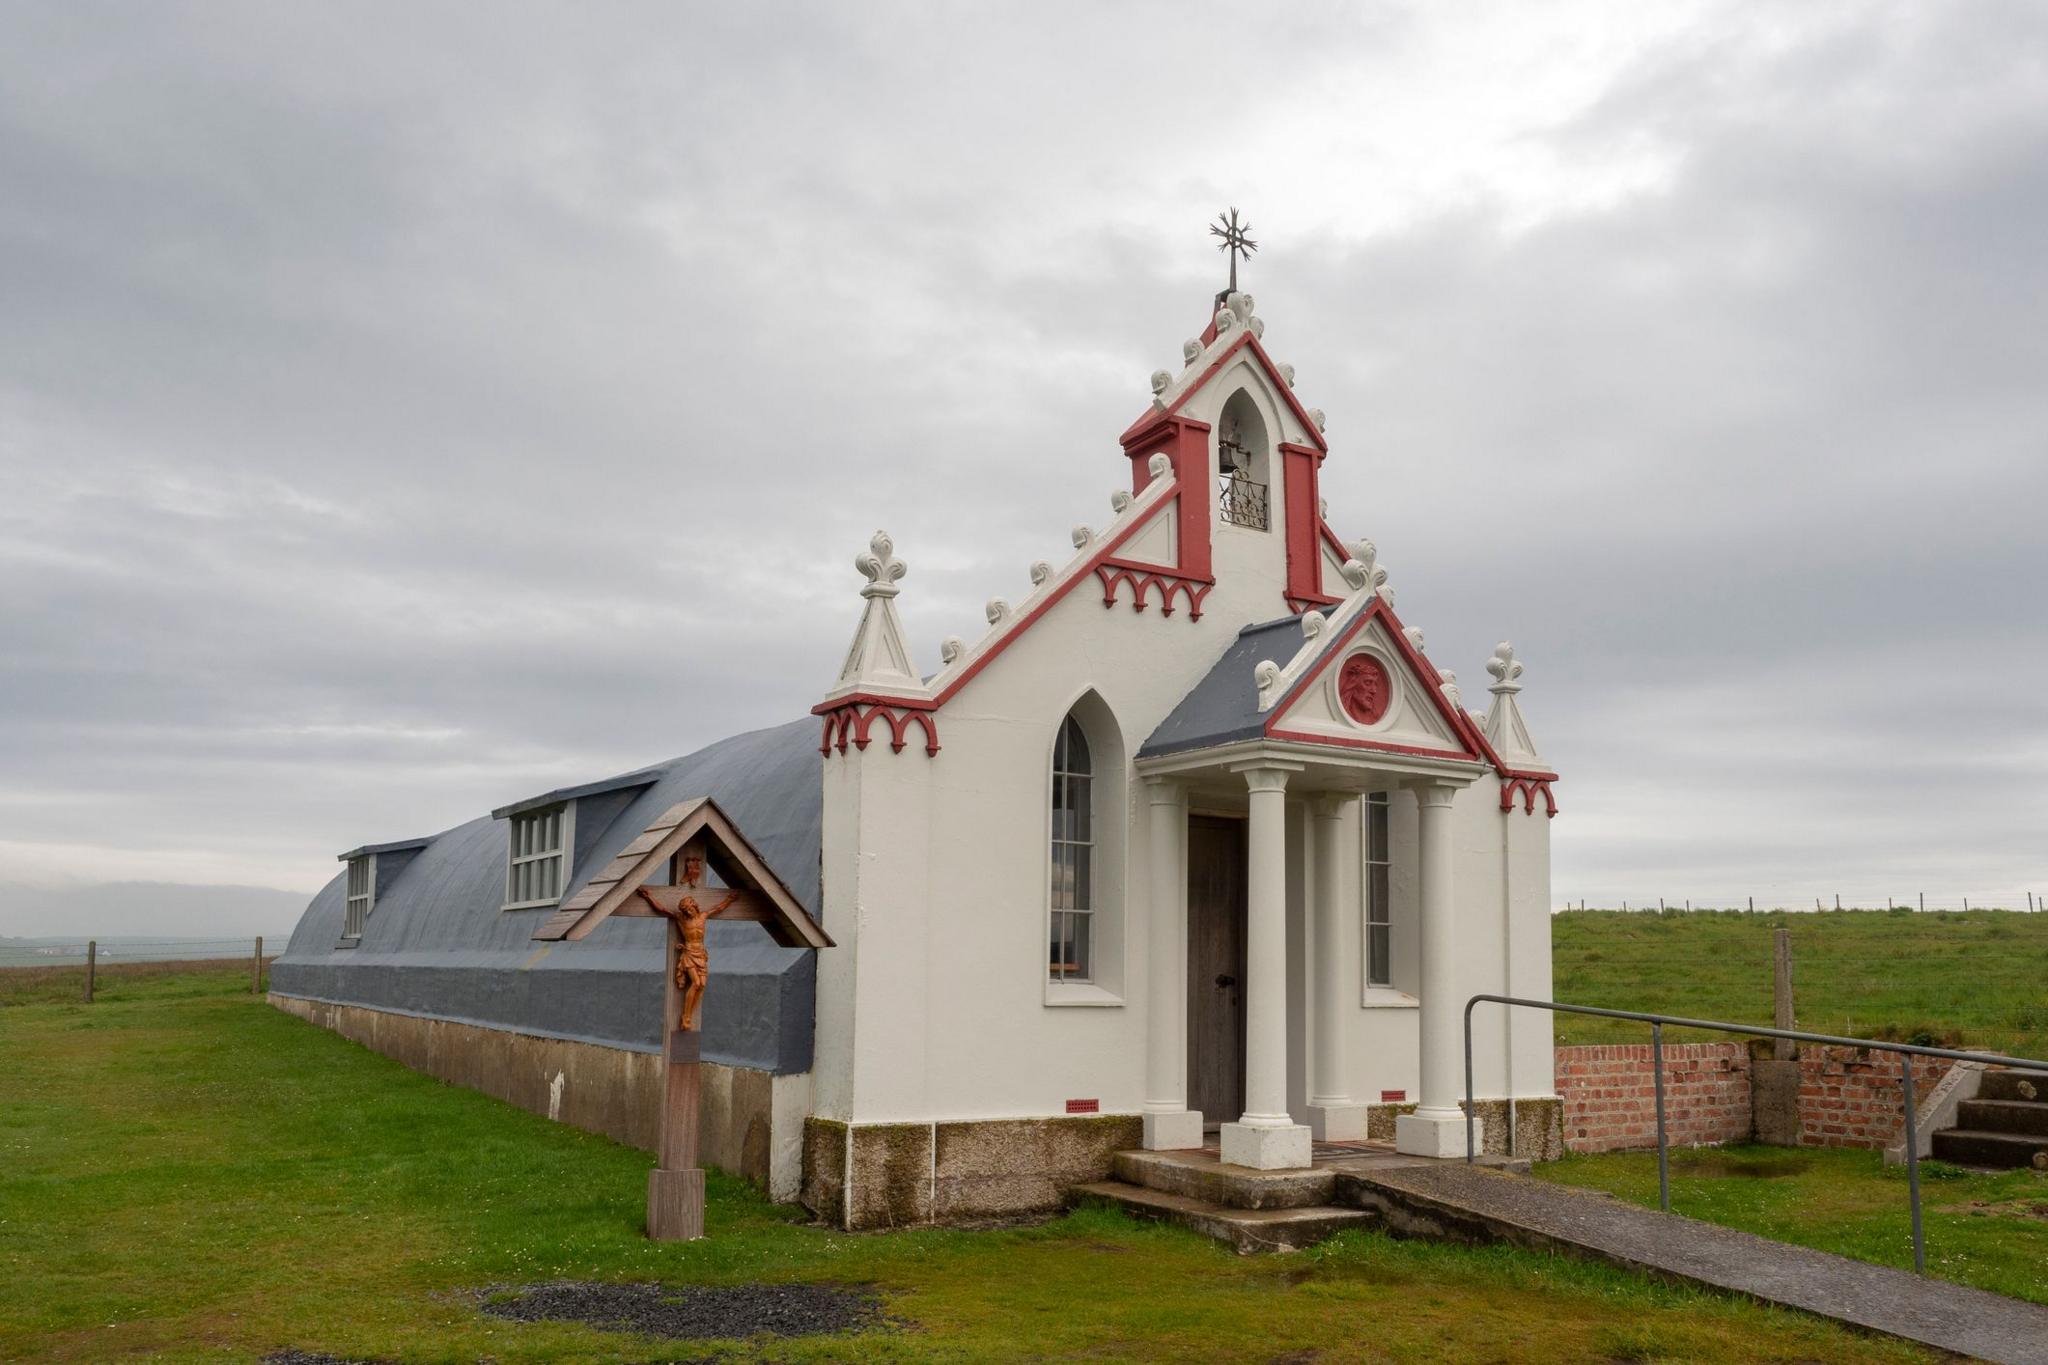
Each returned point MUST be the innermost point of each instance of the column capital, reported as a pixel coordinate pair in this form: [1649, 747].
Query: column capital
[1435, 793]
[1165, 791]
[1267, 775]
[1329, 805]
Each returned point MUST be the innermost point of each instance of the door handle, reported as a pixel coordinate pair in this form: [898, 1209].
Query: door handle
[1226, 981]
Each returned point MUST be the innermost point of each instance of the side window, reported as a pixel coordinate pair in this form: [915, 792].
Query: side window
[361, 880]
[1073, 854]
[1379, 931]
[539, 863]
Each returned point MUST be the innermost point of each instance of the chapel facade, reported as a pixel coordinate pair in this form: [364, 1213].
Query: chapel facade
[1193, 844]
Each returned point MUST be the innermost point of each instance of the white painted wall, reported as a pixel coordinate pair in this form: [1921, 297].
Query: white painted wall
[935, 1005]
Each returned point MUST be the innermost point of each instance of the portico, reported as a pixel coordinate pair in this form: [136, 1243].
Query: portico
[1322, 790]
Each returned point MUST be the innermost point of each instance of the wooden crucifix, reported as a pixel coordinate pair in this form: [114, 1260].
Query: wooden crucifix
[689, 839]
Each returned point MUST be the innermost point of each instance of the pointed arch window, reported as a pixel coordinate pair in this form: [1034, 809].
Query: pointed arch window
[1073, 855]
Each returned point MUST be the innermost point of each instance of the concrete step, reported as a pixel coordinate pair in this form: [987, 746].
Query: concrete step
[2013, 1085]
[1246, 1230]
[2027, 1117]
[1203, 1176]
[2005, 1151]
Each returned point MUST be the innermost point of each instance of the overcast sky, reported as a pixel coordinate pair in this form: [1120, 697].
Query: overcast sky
[404, 409]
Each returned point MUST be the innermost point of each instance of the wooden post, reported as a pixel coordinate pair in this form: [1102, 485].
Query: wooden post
[256, 969]
[92, 956]
[675, 1187]
[1781, 992]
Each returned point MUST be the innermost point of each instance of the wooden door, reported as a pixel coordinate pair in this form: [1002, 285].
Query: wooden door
[1216, 967]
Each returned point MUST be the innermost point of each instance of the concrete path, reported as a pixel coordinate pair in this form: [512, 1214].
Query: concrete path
[1477, 1205]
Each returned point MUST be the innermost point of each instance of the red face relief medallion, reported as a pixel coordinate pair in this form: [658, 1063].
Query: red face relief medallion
[1364, 689]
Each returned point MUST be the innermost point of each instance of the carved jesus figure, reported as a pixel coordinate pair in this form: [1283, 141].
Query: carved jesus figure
[693, 961]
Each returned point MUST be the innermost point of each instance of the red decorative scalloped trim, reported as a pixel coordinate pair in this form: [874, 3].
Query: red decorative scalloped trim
[1143, 578]
[1528, 787]
[853, 719]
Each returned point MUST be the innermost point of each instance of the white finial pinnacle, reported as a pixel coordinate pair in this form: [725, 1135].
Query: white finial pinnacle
[881, 567]
[1505, 668]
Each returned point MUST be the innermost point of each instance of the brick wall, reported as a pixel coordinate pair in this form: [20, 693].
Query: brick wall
[1610, 1099]
[1849, 1097]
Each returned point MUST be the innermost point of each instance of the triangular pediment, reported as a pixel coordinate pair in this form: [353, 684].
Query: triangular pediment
[699, 823]
[1370, 689]
[1223, 362]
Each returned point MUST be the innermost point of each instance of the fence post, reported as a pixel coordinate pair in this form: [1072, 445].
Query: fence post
[1663, 1149]
[92, 955]
[1781, 992]
[1913, 1164]
[256, 969]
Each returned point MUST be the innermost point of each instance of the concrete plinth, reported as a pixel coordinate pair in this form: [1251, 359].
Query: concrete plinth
[1337, 1122]
[1438, 1135]
[1281, 1147]
[1174, 1131]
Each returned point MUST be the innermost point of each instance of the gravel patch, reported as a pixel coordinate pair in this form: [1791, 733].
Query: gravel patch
[313, 1358]
[693, 1312]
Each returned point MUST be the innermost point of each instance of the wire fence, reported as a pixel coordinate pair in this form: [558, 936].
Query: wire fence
[33, 970]
[112, 950]
[2031, 902]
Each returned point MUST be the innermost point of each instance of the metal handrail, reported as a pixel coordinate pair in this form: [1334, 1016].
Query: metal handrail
[1907, 1052]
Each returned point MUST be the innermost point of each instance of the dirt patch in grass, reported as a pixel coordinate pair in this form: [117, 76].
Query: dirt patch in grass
[312, 1358]
[694, 1312]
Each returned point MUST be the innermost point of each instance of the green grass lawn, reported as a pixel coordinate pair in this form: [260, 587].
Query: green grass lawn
[1985, 1230]
[186, 1174]
[1975, 979]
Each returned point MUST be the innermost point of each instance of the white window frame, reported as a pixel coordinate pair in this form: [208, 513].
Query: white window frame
[1084, 889]
[526, 870]
[1377, 911]
[359, 894]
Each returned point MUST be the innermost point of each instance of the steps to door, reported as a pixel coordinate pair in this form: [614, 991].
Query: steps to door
[2005, 1127]
[1251, 1210]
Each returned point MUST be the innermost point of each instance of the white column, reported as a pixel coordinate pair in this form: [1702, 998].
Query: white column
[1333, 1114]
[1266, 1136]
[1169, 1124]
[1437, 1127]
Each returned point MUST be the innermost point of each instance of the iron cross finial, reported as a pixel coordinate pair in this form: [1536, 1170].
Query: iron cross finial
[1235, 240]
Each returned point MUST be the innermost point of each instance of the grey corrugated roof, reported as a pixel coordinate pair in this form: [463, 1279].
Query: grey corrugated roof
[1224, 706]
[437, 944]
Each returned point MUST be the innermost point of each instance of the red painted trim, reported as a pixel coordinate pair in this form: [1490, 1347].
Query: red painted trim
[853, 718]
[879, 698]
[1528, 787]
[1145, 577]
[1424, 673]
[1280, 386]
[1298, 605]
[1105, 549]
[1185, 443]
[1304, 552]
[1378, 746]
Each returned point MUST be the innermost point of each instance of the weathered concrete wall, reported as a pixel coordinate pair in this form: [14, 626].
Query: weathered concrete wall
[882, 1175]
[599, 1089]
[1610, 1098]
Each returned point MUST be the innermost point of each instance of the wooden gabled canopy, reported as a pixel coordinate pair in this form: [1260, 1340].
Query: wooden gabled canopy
[757, 893]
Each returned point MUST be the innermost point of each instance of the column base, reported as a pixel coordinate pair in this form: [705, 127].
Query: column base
[1337, 1122]
[1284, 1147]
[1173, 1130]
[1437, 1133]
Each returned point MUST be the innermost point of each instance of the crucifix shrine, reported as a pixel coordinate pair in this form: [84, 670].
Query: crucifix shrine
[689, 839]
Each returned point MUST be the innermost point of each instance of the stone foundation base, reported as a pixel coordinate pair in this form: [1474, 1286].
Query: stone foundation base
[1174, 1132]
[1337, 1122]
[886, 1175]
[749, 1122]
[1436, 1135]
[1533, 1131]
[1283, 1148]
